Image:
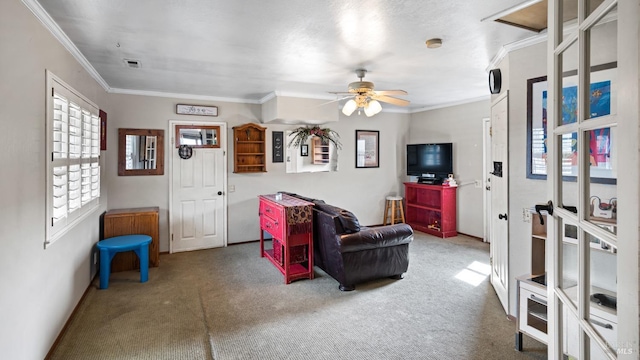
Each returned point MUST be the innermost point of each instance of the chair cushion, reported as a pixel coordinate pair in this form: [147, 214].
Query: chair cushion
[349, 222]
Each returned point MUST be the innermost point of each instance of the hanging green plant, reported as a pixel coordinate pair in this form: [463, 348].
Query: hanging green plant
[301, 134]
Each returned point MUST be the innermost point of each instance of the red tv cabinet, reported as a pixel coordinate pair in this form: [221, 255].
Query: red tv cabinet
[431, 208]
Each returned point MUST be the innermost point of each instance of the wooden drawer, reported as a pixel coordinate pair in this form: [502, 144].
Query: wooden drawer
[275, 227]
[271, 210]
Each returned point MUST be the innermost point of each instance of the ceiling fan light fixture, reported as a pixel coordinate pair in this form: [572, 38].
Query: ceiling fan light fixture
[372, 108]
[349, 107]
[434, 43]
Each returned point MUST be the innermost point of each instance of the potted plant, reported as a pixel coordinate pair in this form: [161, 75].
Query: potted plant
[301, 134]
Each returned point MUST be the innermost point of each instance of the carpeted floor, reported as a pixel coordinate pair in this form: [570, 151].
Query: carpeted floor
[229, 303]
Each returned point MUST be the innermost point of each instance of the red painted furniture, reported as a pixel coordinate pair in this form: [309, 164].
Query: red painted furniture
[289, 220]
[431, 208]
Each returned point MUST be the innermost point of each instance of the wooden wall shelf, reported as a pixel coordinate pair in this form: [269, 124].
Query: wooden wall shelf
[249, 144]
[320, 152]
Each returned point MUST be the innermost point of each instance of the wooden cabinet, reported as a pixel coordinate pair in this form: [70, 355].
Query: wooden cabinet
[431, 208]
[320, 151]
[289, 221]
[128, 222]
[249, 143]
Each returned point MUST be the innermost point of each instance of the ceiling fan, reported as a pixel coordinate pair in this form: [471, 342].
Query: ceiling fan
[366, 98]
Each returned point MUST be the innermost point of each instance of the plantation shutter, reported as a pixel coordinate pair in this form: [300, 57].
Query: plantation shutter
[73, 186]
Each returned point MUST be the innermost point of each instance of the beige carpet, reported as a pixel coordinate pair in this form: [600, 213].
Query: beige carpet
[229, 303]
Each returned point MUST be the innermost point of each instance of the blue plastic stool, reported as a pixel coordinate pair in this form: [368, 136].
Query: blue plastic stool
[111, 246]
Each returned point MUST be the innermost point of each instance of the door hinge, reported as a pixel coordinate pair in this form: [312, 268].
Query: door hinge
[53, 92]
[490, 130]
[171, 237]
[491, 261]
[51, 156]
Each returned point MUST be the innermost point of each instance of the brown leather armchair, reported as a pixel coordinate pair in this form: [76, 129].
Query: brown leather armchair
[353, 254]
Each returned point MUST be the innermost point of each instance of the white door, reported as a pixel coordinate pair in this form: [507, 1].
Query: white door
[499, 248]
[198, 189]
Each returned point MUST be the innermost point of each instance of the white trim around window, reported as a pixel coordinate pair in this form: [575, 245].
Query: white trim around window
[73, 158]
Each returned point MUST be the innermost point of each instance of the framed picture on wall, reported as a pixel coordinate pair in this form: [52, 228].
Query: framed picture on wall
[103, 130]
[367, 149]
[602, 141]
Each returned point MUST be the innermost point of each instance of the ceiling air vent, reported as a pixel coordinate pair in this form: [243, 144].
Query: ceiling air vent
[132, 63]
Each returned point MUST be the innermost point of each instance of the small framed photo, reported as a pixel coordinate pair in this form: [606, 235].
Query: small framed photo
[185, 109]
[304, 150]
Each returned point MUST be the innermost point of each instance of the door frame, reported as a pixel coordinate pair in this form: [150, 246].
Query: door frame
[486, 184]
[169, 154]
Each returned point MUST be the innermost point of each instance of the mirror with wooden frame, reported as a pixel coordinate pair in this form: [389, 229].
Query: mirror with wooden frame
[140, 152]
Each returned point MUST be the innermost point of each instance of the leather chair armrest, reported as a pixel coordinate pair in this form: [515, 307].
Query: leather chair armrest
[376, 237]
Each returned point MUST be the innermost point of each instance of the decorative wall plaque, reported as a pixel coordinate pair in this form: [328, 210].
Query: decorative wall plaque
[278, 146]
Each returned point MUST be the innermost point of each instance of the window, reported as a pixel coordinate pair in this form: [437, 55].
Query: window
[73, 158]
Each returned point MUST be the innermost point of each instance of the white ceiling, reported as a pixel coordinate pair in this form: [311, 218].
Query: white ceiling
[246, 50]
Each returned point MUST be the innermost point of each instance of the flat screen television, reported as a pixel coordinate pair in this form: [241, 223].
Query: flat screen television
[430, 160]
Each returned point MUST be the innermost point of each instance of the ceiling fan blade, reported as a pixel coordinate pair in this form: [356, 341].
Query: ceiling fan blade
[391, 100]
[332, 101]
[340, 92]
[391, 92]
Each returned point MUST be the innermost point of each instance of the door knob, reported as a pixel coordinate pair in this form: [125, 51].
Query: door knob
[219, 192]
[502, 216]
[548, 207]
[488, 187]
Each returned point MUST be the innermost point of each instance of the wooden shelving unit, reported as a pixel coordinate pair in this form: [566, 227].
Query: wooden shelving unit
[320, 152]
[249, 148]
[431, 209]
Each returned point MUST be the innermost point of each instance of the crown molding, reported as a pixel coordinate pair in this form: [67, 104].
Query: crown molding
[182, 96]
[454, 103]
[520, 44]
[57, 32]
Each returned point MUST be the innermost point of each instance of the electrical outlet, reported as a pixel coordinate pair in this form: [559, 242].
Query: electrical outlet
[232, 188]
[478, 184]
[526, 215]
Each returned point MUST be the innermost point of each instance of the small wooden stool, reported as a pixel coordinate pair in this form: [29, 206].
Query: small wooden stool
[393, 203]
[111, 246]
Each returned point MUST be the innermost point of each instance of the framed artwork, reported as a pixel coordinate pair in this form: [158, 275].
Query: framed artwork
[103, 130]
[304, 150]
[602, 142]
[204, 110]
[277, 146]
[367, 149]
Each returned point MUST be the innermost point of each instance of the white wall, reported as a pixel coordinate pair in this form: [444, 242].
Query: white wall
[39, 287]
[462, 126]
[361, 191]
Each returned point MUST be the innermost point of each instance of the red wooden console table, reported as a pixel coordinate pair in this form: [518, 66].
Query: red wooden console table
[289, 220]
